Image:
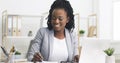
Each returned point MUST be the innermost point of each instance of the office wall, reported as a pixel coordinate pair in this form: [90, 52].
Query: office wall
[105, 19]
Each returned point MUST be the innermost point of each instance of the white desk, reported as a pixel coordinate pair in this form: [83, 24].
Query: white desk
[33, 62]
[25, 61]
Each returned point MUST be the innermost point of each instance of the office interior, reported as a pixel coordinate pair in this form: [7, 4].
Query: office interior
[99, 19]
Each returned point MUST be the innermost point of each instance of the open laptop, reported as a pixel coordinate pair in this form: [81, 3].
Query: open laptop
[92, 50]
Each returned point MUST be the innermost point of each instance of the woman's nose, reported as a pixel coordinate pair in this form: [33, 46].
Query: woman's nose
[56, 21]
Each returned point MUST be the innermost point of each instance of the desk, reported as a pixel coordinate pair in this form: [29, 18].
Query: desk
[38, 62]
[25, 61]
[19, 62]
[32, 62]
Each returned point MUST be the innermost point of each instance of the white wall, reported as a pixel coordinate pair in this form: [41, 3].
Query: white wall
[105, 19]
[104, 9]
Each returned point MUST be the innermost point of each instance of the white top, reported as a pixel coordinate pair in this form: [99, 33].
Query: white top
[60, 52]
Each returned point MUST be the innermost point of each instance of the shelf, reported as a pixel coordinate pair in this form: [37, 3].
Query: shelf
[19, 37]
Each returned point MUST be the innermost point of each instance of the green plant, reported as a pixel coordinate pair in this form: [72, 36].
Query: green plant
[30, 31]
[81, 31]
[109, 51]
[17, 53]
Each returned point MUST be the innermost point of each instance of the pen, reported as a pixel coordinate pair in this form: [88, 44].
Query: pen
[5, 52]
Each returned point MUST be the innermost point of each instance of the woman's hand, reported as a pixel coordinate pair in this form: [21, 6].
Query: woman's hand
[76, 58]
[37, 57]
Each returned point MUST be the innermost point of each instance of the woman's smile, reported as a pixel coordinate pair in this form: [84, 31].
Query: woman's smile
[56, 25]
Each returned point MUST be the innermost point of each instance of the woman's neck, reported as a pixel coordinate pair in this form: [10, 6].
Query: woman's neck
[59, 35]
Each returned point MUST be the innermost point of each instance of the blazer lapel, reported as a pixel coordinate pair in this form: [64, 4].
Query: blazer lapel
[69, 45]
[50, 42]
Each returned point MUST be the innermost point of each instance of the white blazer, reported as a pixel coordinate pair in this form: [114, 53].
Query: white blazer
[43, 43]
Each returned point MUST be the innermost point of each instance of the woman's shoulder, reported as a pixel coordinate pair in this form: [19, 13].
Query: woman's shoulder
[43, 29]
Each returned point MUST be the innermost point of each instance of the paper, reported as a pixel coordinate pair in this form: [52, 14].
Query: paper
[48, 62]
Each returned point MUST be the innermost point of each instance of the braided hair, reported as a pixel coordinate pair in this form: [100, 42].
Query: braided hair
[63, 4]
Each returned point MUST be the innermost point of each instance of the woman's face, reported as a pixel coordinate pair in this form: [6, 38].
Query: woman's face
[59, 19]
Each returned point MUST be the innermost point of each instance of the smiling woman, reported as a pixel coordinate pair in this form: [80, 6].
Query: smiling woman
[59, 33]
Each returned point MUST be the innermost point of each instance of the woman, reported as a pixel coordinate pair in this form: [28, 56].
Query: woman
[57, 42]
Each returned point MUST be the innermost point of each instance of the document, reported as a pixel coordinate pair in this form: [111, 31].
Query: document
[9, 33]
[49, 62]
[15, 18]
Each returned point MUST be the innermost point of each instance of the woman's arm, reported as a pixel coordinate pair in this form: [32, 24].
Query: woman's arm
[35, 46]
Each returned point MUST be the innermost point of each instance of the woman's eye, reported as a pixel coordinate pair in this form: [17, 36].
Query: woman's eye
[60, 19]
[53, 18]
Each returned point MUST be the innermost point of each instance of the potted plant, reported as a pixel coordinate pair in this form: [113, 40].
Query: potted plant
[30, 33]
[17, 55]
[81, 32]
[110, 58]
